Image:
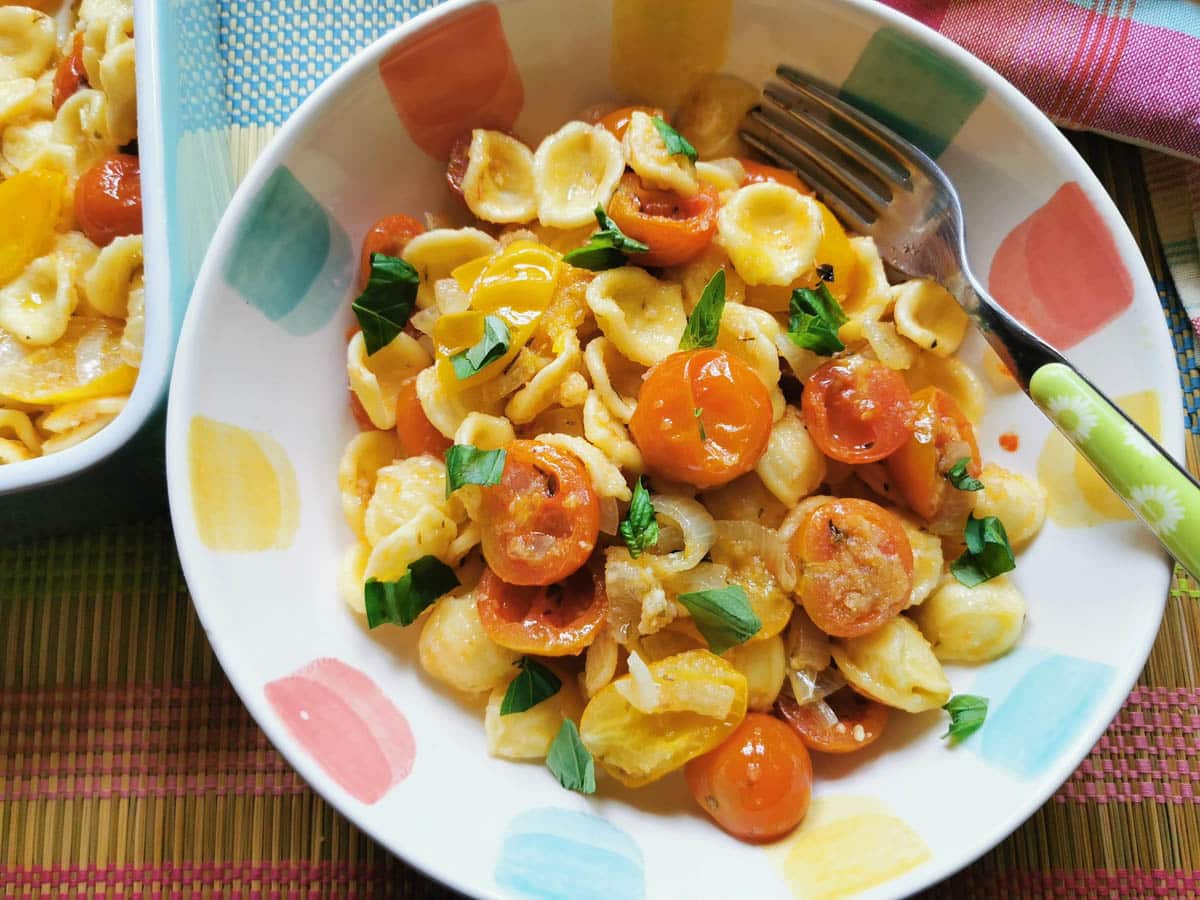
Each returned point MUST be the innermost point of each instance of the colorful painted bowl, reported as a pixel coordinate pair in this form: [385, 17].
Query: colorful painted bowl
[258, 420]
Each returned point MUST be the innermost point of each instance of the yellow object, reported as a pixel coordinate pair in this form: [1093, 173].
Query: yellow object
[835, 251]
[30, 203]
[85, 362]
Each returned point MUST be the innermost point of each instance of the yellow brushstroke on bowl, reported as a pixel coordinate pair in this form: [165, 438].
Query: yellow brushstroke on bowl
[244, 489]
[1078, 497]
[661, 48]
[846, 845]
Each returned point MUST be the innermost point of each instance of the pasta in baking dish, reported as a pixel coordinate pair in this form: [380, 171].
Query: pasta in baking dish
[665, 470]
[72, 296]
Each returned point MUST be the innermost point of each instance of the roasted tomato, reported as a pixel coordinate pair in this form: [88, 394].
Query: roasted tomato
[546, 620]
[390, 235]
[70, 75]
[540, 523]
[941, 436]
[675, 228]
[757, 172]
[460, 158]
[108, 199]
[618, 120]
[856, 566]
[360, 414]
[758, 783]
[859, 723]
[857, 410]
[703, 417]
[414, 431]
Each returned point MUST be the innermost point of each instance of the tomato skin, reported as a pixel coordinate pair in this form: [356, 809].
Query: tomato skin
[735, 412]
[852, 710]
[941, 436]
[541, 522]
[856, 566]
[456, 165]
[757, 173]
[70, 75]
[360, 414]
[546, 620]
[617, 121]
[857, 410]
[390, 235]
[414, 431]
[675, 228]
[108, 199]
[757, 785]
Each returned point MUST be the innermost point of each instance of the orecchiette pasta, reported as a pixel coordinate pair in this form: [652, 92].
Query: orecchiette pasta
[647, 154]
[1016, 500]
[927, 560]
[362, 459]
[576, 169]
[642, 316]
[499, 183]
[750, 334]
[764, 664]
[606, 477]
[26, 42]
[792, 467]
[436, 254]
[927, 315]
[375, 379]
[712, 114]
[455, 649]
[609, 436]
[770, 232]
[895, 665]
[602, 358]
[972, 624]
[108, 282]
[529, 734]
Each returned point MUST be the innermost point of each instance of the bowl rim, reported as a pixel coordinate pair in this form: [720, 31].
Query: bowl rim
[311, 109]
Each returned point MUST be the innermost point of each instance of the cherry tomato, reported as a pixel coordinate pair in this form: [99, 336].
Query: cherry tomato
[414, 431]
[854, 712]
[758, 783]
[71, 75]
[675, 228]
[389, 235]
[941, 436]
[856, 566]
[703, 417]
[547, 620]
[617, 121]
[757, 172]
[856, 410]
[540, 523]
[108, 199]
[456, 166]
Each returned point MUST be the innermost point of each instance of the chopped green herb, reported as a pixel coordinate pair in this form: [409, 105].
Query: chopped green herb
[988, 552]
[967, 712]
[570, 761]
[400, 602]
[639, 530]
[608, 248]
[492, 346]
[470, 465]
[677, 144]
[387, 302]
[698, 412]
[704, 324]
[815, 318]
[723, 616]
[958, 476]
[534, 684]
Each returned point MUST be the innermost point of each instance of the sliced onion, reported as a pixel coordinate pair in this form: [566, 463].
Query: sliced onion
[626, 582]
[449, 297]
[697, 526]
[610, 517]
[807, 645]
[641, 690]
[825, 711]
[809, 686]
[703, 577]
[423, 320]
[517, 375]
[764, 543]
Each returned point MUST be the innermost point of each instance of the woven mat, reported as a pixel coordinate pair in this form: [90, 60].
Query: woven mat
[129, 766]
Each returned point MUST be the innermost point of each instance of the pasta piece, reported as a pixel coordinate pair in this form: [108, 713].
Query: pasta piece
[436, 254]
[750, 335]
[484, 431]
[364, 456]
[927, 559]
[972, 624]
[889, 347]
[792, 467]
[36, 306]
[376, 379]
[133, 336]
[771, 233]
[108, 281]
[600, 663]
[694, 276]
[17, 98]
[726, 174]
[802, 362]
[764, 664]
[604, 363]
[32, 146]
[428, 533]
[557, 420]
[997, 373]
[446, 410]
[929, 316]
[455, 650]
[745, 499]
[69, 417]
[871, 289]
[90, 424]
[574, 390]
[712, 113]
[108, 59]
[352, 577]
[13, 451]
[529, 734]
[1016, 500]
[953, 376]
[467, 540]
[609, 436]
[642, 316]
[26, 42]
[606, 477]
[648, 156]
[543, 388]
[895, 665]
[82, 124]
[575, 170]
[17, 423]
[403, 490]
[498, 185]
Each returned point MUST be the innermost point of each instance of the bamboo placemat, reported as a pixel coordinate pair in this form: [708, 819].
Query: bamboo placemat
[129, 767]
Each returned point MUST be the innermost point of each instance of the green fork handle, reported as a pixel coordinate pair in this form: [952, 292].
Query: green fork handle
[1156, 488]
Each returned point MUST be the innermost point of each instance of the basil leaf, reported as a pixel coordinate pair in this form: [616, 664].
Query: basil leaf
[493, 345]
[606, 249]
[958, 476]
[723, 616]
[570, 761]
[814, 321]
[677, 144]
[639, 529]
[387, 302]
[704, 324]
[967, 712]
[400, 602]
[534, 684]
[470, 465]
[988, 552]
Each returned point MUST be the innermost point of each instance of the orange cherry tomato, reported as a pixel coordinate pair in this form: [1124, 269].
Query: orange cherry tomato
[860, 721]
[413, 429]
[389, 235]
[856, 410]
[108, 199]
[456, 166]
[675, 228]
[540, 523]
[547, 620]
[703, 417]
[71, 74]
[941, 436]
[856, 566]
[758, 783]
[757, 172]
[617, 121]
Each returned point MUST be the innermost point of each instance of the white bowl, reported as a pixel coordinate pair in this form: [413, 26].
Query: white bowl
[259, 401]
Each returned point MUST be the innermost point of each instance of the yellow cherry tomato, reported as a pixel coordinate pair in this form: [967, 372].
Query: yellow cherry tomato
[30, 203]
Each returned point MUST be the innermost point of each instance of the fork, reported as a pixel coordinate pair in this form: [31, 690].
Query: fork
[882, 186]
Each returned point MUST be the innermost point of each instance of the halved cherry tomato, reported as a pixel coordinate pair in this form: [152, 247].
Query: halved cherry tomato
[757, 172]
[675, 228]
[941, 436]
[703, 417]
[547, 620]
[860, 721]
[856, 410]
[389, 235]
[71, 75]
[617, 121]
[856, 566]
[460, 158]
[414, 431]
[758, 783]
[359, 413]
[540, 523]
[108, 199]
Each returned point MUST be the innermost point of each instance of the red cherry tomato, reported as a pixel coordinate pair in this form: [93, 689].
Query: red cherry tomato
[856, 410]
[71, 74]
[413, 429]
[941, 436]
[546, 620]
[390, 235]
[757, 173]
[617, 121]
[456, 166]
[703, 417]
[108, 199]
[675, 228]
[859, 723]
[758, 783]
[540, 523]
